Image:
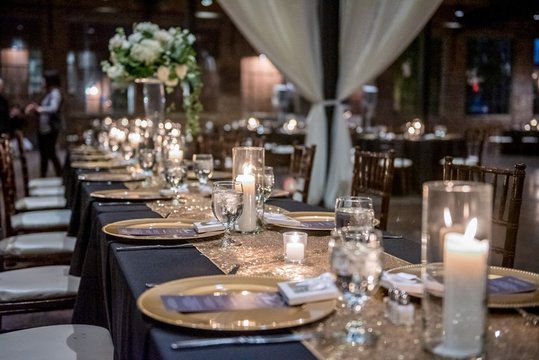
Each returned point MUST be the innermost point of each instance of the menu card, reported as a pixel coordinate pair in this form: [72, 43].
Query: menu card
[509, 285]
[154, 231]
[224, 302]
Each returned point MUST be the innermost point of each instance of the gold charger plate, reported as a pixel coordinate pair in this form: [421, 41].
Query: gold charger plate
[150, 304]
[110, 177]
[133, 195]
[115, 229]
[216, 175]
[494, 301]
[99, 164]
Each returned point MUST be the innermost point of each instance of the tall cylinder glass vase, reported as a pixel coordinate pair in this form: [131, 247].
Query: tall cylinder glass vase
[153, 92]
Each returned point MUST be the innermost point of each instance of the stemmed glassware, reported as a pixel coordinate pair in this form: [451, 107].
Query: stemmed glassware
[175, 174]
[356, 261]
[227, 206]
[146, 159]
[203, 168]
[266, 187]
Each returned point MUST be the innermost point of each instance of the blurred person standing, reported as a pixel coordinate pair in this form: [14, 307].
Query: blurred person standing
[49, 122]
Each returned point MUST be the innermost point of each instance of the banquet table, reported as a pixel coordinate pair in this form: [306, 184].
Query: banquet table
[112, 280]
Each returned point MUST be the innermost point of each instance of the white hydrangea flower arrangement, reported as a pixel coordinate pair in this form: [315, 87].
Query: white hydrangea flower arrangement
[167, 55]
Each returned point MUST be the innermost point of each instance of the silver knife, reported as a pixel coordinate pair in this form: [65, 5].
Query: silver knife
[151, 247]
[263, 339]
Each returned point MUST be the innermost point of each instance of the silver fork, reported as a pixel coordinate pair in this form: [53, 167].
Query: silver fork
[531, 319]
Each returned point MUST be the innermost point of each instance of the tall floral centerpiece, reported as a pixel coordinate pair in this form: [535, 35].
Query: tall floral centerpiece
[160, 59]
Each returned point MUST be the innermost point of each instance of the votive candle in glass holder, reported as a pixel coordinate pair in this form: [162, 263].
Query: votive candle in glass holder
[248, 169]
[456, 231]
[295, 243]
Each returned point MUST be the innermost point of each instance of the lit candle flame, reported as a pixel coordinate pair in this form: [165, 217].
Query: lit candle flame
[447, 218]
[471, 229]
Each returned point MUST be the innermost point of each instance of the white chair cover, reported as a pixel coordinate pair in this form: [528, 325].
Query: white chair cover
[38, 282]
[58, 342]
[40, 203]
[37, 243]
[45, 182]
[41, 219]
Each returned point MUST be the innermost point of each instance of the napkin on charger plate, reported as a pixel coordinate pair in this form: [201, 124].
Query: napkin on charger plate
[280, 219]
[208, 226]
[403, 281]
[309, 290]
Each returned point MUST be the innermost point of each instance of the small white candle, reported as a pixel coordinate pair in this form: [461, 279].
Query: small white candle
[247, 220]
[295, 252]
[294, 246]
[465, 277]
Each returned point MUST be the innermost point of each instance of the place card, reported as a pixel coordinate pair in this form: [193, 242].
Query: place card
[155, 231]
[224, 302]
[309, 290]
[509, 285]
[208, 226]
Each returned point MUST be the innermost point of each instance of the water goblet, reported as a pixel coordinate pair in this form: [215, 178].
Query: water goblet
[227, 206]
[203, 167]
[357, 264]
[265, 189]
[146, 159]
[353, 211]
[175, 174]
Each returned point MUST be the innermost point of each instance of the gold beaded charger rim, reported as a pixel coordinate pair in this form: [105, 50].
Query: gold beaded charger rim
[151, 305]
[111, 177]
[118, 228]
[134, 195]
[494, 301]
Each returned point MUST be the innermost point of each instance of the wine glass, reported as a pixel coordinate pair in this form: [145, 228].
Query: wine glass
[175, 174]
[146, 159]
[227, 206]
[353, 211]
[266, 187]
[356, 261]
[203, 167]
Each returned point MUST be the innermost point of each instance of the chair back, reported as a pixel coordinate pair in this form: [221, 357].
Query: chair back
[301, 168]
[373, 176]
[19, 140]
[508, 186]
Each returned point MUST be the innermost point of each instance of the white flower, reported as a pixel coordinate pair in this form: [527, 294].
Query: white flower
[163, 73]
[134, 38]
[191, 39]
[146, 27]
[147, 51]
[116, 41]
[162, 36]
[115, 71]
[181, 71]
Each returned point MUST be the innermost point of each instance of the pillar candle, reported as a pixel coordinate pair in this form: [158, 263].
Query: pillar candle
[247, 220]
[465, 277]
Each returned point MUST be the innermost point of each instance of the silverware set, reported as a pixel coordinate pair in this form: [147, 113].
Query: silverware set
[263, 339]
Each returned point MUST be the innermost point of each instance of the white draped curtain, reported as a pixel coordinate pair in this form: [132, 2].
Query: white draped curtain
[372, 34]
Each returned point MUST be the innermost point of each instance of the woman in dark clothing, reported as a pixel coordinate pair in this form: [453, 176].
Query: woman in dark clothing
[49, 123]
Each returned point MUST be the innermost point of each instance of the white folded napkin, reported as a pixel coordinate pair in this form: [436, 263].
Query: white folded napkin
[208, 226]
[280, 219]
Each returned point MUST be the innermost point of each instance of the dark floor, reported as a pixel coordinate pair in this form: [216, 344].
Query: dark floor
[405, 219]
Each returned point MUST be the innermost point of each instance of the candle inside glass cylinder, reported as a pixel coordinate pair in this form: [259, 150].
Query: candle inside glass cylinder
[247, 220]
[294, 246]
